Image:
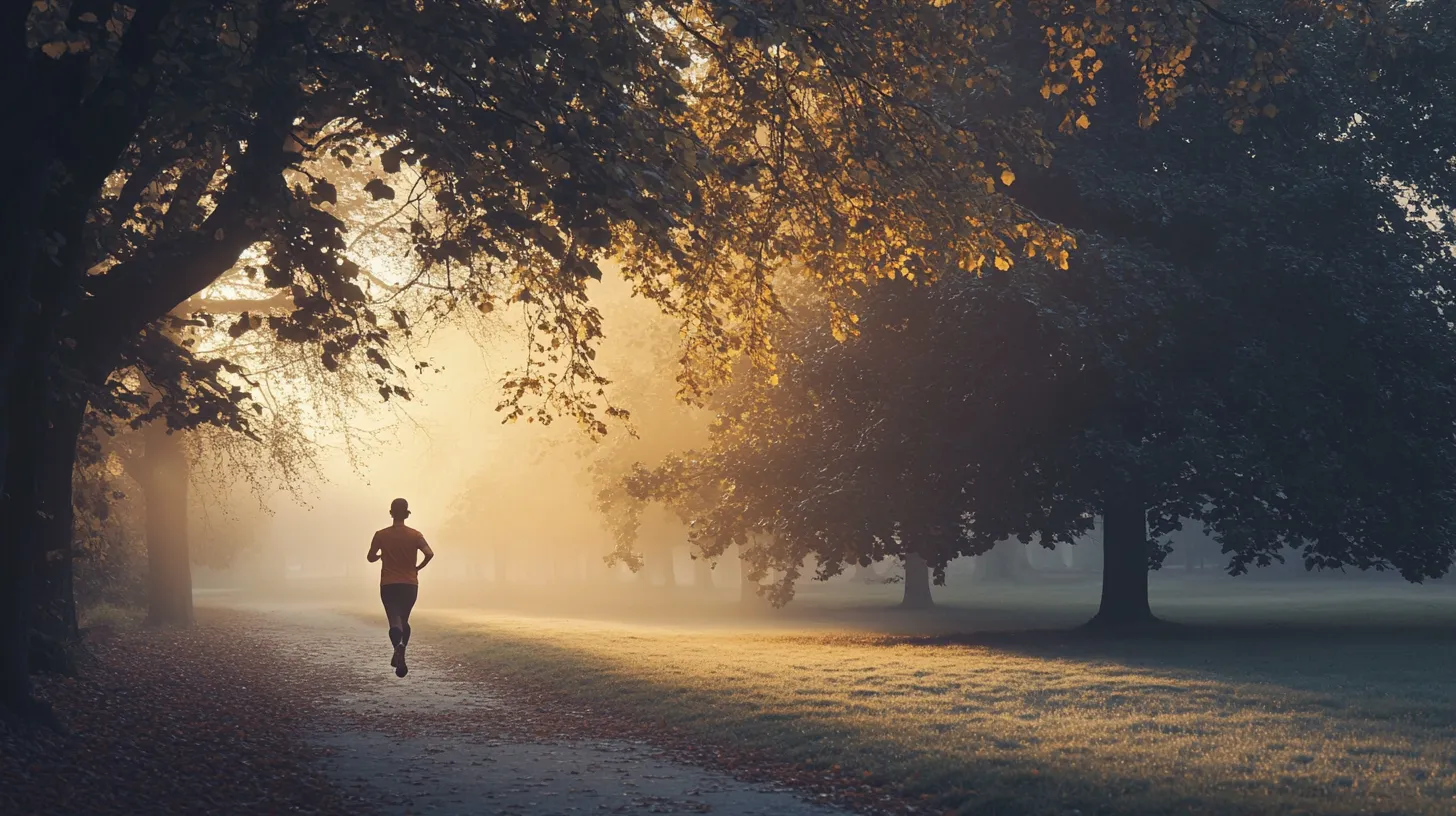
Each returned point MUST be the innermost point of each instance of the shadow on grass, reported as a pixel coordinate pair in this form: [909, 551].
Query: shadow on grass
[1163, 633]
[1375, 676]
[1366, 713]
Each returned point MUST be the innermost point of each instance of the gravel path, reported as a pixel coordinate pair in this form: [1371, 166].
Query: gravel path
[443, 742]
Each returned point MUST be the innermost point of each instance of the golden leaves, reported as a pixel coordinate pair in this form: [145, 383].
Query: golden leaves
[1176, 52]
[813, 137]
[56, 49]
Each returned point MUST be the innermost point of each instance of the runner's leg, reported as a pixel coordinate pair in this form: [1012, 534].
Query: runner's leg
[407, 605]
[391, 613]
[404, 596]
[389, 595]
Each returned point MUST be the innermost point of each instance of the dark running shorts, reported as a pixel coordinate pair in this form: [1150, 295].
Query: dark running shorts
[399, 599]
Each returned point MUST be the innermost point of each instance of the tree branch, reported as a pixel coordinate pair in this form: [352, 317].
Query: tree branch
[110, 114]
[183, 212]
[133, 294]
[280, 302]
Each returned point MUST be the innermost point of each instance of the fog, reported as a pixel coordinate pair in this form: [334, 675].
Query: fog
[499, 501]
[511, 508]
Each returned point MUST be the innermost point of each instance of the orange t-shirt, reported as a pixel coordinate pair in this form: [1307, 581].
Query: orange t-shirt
[398, 547]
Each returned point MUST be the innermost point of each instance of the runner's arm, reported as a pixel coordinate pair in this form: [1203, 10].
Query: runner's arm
[429, 553]
[374, 549]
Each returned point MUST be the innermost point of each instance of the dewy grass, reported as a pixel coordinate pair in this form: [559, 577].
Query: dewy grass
[1229, 722]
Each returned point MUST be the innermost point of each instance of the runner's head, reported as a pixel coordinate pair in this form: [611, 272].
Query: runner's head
[399, 509]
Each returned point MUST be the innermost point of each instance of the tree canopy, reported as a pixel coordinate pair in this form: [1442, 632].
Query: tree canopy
[707, 145]
[1252, 336]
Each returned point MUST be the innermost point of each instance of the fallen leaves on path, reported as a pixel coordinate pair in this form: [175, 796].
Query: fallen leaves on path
[171, 722]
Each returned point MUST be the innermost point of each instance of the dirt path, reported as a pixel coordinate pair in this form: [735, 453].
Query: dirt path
[442, 742]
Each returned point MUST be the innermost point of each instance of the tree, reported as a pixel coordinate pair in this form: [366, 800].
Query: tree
[795, 467]
[862, 450]
[1230, 303]
[1252, 336]
[1231, 297]
[163, 475]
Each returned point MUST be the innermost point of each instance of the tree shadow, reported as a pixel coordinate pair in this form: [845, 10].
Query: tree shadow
[1339, 715]
[1377, 674]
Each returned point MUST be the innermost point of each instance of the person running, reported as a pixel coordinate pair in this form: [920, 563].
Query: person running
[399, 576]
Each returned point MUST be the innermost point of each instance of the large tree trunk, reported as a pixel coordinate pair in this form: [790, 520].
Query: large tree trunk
[51, 185]
[42, 286]
[55, 599]
[18, 552]
[26, 169]
[17, 561]
[15, 281]
[1124, 562]
[917, 583]
[169, 565]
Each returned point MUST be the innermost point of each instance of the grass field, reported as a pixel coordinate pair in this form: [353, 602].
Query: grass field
[1311, 699]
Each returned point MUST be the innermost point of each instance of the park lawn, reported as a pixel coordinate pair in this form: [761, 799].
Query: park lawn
[1231, 721]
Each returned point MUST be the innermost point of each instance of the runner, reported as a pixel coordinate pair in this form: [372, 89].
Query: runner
[399, 580]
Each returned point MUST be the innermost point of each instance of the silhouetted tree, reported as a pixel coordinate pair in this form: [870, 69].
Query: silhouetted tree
[1252, 336]
[1262, 322]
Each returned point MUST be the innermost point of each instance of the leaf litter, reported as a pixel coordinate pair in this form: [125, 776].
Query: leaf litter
[165, 721]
